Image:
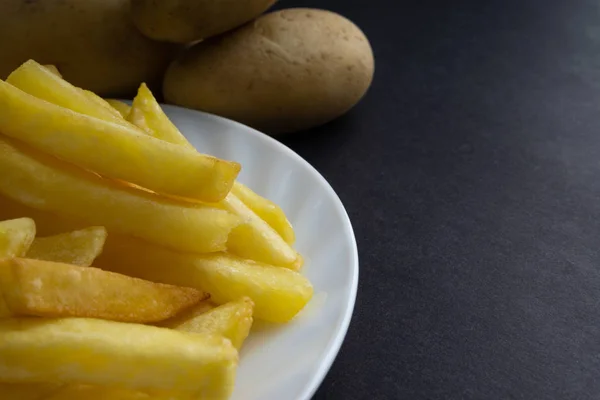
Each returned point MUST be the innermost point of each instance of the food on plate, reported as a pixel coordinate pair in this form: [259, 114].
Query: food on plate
[41, 82]
[278, 293]
[16, 236]
[113, 150]
[80, 247]
[232, 320]
[94, 43]
[88, 257]
[288, 70]
[43, 182]
[147, 114]
[125, 355]
[254, 238]
[184, 21]
[121, 107]
[257, 240]
[48, 289]
[270, 212]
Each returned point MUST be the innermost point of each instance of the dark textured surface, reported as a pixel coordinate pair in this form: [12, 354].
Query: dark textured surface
[471, 173]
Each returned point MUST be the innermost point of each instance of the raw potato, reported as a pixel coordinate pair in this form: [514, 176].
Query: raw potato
[184, 21]
[79, 247]
[49, 289]
[93, 43]
[288, 70]
[129, 356]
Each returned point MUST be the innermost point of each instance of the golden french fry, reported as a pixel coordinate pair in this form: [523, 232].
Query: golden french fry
[278, 293]
[94, 392]
[79, 247]
[100, 102]
[255, 239]
[147, 114]
[267, 210]
[53, 69]
[43, 83]
[232, 320]
[108, 353]
[122, 108]
[51, 185]
[19, 391]
[16, 236]
[114, 150]
[49, 289]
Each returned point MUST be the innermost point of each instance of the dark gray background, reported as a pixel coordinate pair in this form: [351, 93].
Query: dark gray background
[471, 172]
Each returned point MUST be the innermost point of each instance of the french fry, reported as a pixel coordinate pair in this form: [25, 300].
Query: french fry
[53, 69]
[232, 320]
[267, 210]
[278, 293]
[94, 392]
[45, 84]
[36, 391]
[122, 108]
[113, 150]
[255, 239]
[94, 98]
[16, 236]
[51, 185]
[147, 114]
[107, 353]
[79, 247]
[47, 289]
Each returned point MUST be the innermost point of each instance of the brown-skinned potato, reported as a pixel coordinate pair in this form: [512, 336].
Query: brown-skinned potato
[93, 43]
[184, 21]
[286, 71]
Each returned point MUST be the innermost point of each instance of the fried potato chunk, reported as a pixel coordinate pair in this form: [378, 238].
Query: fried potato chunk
[147, 114]
[79, 247]
[267, 210]
[107, 353]
[48, 289]
[16, 236]
[121, 107]
[51, 185]
[113, 150]
[278, 293]
[232, 320]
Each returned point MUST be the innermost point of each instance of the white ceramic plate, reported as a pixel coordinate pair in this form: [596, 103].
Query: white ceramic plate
[288, 362]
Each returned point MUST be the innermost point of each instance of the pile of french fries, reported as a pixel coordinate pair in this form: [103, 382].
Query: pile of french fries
[131, 265]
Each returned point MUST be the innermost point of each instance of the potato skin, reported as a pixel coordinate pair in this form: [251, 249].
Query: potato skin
[93, 43]
[288, 70]
[184, 21]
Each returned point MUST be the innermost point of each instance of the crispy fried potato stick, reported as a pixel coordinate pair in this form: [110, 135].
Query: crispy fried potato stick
[113, 150]
[232, 320]
[255, 238]
[278, 293]
[107, 353]
[122, 108]
[80, 247]
[48, 184]
[16, 236]
[49, 289]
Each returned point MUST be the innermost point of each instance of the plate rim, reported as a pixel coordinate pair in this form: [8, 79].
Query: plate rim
[335, 344]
